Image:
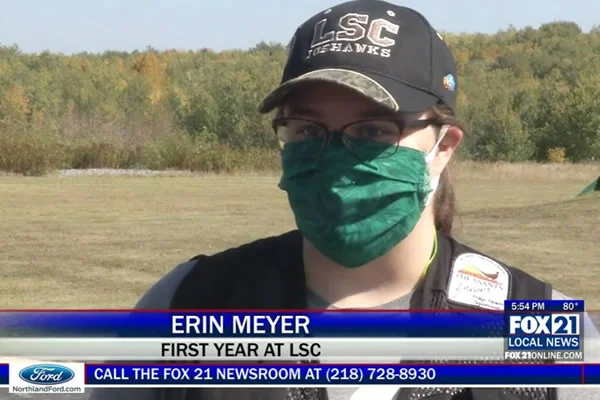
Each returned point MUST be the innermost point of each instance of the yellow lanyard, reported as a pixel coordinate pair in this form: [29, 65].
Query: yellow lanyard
[433, 253]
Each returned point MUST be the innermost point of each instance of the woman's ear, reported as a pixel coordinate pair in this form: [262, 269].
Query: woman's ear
[446, 148]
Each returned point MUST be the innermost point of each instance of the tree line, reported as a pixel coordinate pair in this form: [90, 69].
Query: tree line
[525, 95]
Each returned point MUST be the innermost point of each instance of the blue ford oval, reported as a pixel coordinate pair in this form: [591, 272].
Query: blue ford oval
[46, 374]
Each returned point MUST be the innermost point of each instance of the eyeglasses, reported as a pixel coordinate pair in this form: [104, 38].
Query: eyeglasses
[382, 134]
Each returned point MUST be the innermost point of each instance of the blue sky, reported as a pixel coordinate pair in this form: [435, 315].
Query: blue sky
[69, 26]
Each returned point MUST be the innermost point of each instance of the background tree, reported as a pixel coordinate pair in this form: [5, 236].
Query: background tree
[524, 92]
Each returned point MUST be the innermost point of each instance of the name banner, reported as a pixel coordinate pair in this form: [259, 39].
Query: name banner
[257, 349]
[381, 323]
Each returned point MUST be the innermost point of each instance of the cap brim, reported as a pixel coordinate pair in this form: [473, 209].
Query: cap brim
[391, 94]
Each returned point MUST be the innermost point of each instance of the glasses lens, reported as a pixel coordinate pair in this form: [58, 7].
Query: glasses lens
[380, 131]
[298, 130]
[373, 139]
[307, 137]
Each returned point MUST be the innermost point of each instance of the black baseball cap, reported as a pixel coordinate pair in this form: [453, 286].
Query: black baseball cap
[389, 53]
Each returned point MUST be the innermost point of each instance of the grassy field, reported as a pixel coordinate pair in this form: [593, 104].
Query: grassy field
[78, 242]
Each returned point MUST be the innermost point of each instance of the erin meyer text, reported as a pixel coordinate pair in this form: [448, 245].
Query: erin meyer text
[240, 324]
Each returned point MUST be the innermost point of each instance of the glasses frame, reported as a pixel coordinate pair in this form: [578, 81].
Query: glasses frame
[402, 123]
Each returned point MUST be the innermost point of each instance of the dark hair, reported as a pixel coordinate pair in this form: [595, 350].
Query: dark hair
[444, 201]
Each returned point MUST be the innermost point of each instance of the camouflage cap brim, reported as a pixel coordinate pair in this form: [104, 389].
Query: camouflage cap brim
[356, 81]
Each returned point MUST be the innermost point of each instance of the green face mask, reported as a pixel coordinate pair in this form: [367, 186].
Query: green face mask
[355, 211]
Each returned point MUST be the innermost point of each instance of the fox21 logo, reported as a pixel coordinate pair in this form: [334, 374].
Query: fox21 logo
[551, 324]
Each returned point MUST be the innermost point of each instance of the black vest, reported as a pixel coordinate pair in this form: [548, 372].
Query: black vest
[268, 274]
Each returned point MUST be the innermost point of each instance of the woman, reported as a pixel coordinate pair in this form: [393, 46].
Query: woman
[365, 116]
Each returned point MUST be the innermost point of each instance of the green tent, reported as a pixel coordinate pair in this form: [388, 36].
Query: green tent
[592, 187]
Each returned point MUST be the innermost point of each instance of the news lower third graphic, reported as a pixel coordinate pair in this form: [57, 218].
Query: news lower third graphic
[550, 330]
[284, 349]
[287, 336]
[60, 378]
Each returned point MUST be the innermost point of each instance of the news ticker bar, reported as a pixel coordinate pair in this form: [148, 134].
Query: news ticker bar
[313, 375]
[277, 349]
[381, 323]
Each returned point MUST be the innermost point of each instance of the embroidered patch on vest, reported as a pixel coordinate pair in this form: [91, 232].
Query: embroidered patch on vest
[479, 281]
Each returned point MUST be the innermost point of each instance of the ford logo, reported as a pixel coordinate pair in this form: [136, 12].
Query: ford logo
[46, 374]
